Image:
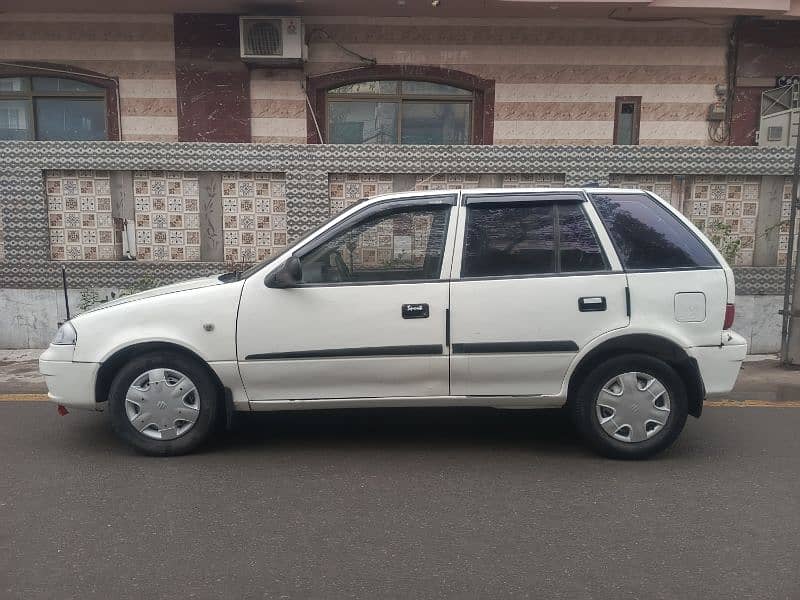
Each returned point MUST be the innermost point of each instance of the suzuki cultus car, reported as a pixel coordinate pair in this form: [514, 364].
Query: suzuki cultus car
[606, 301]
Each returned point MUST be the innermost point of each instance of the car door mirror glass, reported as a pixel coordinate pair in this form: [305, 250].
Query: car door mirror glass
[288, 275]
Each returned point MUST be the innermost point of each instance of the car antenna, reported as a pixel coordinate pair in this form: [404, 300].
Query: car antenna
[64, 284]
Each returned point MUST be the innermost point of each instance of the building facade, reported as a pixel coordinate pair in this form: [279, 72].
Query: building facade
[101, 115]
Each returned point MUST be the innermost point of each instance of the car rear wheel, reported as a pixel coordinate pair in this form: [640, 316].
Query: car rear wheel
[163, 403]
[631, 406]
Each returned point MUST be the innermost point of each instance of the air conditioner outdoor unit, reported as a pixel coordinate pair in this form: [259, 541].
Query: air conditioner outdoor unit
[274, 41]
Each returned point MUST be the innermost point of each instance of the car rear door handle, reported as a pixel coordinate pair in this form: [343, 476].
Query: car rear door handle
[592, 303]
[416, 311]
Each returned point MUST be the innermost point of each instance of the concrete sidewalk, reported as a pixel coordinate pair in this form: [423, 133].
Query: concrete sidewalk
[761, 378]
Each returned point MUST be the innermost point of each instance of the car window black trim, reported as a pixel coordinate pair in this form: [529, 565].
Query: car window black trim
[540, 275]
[370, 351]
[542, 346]
[510, 196]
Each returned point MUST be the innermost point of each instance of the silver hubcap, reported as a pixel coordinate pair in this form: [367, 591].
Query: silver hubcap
[633, 407]
[162, 404]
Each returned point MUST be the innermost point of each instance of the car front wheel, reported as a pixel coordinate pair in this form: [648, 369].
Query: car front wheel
[163, 403]
[631, 406]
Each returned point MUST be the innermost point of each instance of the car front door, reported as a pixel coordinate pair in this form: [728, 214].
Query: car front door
[368, 319]
[531, 287]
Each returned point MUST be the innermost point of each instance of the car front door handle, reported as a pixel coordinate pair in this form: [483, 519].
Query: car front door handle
[592, 304]
[416, 311]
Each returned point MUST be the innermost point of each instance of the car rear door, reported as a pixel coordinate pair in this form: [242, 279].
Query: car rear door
[531, 286]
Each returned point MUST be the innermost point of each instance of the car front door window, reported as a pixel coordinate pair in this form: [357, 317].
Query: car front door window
[395, 245]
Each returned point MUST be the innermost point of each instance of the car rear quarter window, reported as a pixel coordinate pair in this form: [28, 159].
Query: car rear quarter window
[648, 236]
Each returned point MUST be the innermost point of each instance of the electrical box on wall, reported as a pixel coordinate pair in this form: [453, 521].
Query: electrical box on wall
[716, 112]
[271, 41]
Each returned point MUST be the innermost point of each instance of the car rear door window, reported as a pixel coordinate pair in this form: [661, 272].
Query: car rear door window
[528, 238]
[648, 236]
[509, 239]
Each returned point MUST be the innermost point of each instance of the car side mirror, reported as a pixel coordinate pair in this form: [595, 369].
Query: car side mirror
[289, 275]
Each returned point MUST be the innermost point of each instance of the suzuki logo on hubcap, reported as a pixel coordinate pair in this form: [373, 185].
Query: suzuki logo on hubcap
[161, 404]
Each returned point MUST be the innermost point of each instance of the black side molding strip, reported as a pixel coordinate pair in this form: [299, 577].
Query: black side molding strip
[350, 352]
[509, 347]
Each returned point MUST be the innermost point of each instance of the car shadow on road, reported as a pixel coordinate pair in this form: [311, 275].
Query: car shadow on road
[542, 430]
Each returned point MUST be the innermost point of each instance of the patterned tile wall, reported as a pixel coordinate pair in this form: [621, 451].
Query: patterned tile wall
[446, 181]
[725, 208]
[347, 189]
[307, 168]
[2, 245]
[79, 216]
[783, 233]
[254, 216]
[167, 215]
[521, 180]
[661, 185]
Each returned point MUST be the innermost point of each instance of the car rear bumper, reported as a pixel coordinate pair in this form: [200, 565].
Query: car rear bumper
[719, 365]
[69, 383]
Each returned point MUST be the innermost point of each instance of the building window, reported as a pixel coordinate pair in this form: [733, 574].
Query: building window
[52, 108]
[400, 104]
[626, 119]
[399, 112]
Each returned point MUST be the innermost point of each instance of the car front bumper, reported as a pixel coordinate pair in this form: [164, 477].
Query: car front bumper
[719, 365]
[69, 383]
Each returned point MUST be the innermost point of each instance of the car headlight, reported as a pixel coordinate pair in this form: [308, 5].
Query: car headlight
[66, 335]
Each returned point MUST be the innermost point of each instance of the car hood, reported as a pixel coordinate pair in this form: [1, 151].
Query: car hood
[182, 286]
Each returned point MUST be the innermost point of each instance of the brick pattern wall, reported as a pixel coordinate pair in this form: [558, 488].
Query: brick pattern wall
[137, 49]
[556, 79]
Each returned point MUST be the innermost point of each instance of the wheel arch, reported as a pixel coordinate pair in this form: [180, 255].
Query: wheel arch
[109, 367]
[651, 345]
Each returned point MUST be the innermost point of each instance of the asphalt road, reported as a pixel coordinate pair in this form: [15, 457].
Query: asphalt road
[400, 504]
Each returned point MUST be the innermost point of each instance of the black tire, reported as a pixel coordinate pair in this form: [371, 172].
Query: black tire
[584, 415]
[207, 390]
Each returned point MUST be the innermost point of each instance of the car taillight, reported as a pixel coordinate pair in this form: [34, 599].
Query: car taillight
[730, 313]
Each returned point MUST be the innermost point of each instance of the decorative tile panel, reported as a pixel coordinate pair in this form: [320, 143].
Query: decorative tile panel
[524, 180]
[783, 232]
[79, 216]
[446, 181]
[347, 189]
[725, 207]
[661, 185]
[254, 216]
[167, 216]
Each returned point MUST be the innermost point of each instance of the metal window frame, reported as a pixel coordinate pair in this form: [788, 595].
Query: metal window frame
[637, 118]
[29, 95]
[400, 98]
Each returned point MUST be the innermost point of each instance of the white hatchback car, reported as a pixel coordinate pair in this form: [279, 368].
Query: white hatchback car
[608, 301]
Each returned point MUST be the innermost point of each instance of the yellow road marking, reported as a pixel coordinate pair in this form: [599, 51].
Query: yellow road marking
[752, 403]
[707, 403]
